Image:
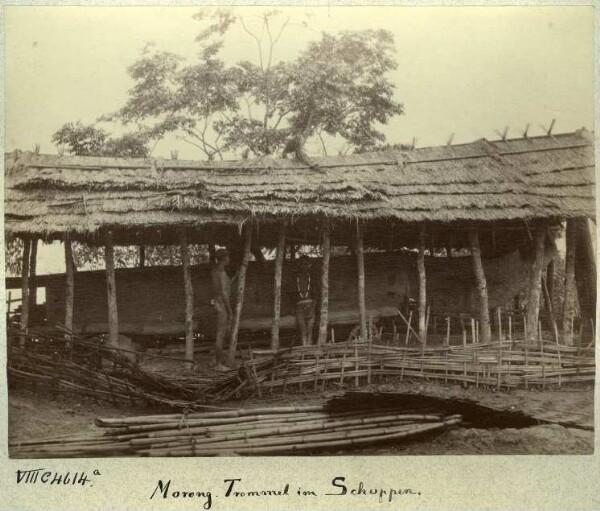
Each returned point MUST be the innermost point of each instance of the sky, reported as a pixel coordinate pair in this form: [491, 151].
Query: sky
[466, 71]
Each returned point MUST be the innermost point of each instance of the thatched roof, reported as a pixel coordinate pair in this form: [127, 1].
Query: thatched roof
[538, 177]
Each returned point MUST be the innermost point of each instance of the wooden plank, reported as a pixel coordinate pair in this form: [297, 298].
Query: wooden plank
[189, 296]
[277, 287]
[111, 290]
[239, 304]
[324, 306]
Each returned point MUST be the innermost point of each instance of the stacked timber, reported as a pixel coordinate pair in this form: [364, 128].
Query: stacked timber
[259, 431]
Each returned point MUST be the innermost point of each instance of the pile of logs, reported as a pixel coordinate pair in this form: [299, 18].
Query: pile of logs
[498, 365]
[259, 431]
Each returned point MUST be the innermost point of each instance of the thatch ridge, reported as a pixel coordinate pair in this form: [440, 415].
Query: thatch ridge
[536, 177]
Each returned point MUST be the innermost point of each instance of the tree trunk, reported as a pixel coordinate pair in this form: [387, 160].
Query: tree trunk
[111, 291]
[189, 296]
[324, 306]
[25, 288]
[585, 269]
[535, 284]
[32, 274]
[360, 261]
[482, 291]
[569, 296]
[422, 287]
[69, 286]
[142, 253]
[240, 293]
[277, 290]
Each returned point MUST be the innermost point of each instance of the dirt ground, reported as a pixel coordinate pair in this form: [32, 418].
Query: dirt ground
[34, 415]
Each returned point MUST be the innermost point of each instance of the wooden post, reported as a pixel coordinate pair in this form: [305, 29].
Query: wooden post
[189, 295]
[535, 284]
[549, 308]
[422, 287]
[25, 288]
[585, 269]
[550, 271]
[32, 273]
[111, 290]
[142, 256]
[324, 306]
[239, 303]
[569, 291]
[360, 261]
[69, 286]
[211, 254]
[480, 281]
[277, 290]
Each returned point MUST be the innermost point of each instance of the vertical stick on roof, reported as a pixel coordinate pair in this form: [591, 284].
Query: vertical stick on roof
[481, 282]
[535, 283]
[111, 290]
[360, 262]
[32, 273]
[324, 306]
[237, 316]
[189, 295]
[569, 297]
[25, 287]
[422, 286]
[277, 287]
[69, 286]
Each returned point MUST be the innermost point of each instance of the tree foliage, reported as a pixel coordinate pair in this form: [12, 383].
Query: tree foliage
[337, 85]
[87, 140]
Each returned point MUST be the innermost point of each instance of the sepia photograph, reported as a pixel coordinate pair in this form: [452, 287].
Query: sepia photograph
[299, 231]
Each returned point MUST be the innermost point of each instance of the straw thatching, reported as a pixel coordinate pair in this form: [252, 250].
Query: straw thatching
[520, 179]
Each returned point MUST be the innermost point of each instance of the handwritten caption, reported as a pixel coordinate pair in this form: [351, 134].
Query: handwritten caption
[52, 478]
[236, 488]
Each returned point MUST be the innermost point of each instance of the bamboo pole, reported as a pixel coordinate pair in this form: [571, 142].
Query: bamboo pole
[481, 283]
[535, 284]
[237, 316]
[324, 308]
[277, 287]
[69, 286]
[360, 261]
[422, 286]
[25, 288]
[188, 290]
[111, 290]
[32, 274]
[569, 288]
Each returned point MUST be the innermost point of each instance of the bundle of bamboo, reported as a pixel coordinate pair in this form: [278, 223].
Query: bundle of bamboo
[276, 430]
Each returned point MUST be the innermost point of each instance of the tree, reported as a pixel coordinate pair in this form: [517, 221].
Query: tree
[337, 86]
[88, 140]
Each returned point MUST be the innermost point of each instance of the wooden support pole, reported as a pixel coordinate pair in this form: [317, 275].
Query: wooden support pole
[32, 274]
[569, 289]
[25, 288]
[142, 256]
[111, 290]
[241, 285]
[481, 283]
[585, 269]
[211, 254]
[535, 284]
[277, 288]
[69, 286]
[189, 295]
[360, 262]
[324, 306]
[549, 308]
[422, 287]
[550, 271]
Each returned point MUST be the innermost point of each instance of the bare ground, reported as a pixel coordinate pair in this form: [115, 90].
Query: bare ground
[33, 414]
